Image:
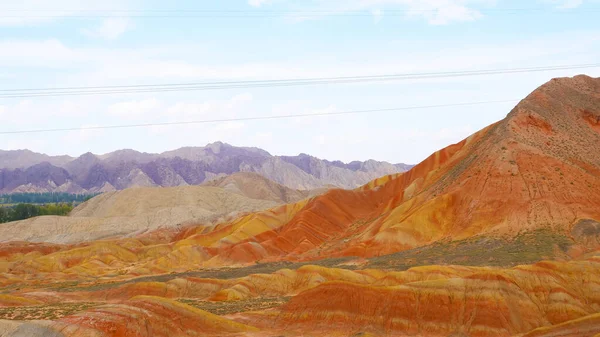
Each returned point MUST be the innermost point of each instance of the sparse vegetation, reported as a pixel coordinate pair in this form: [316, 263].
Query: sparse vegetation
[232, 307]
[528, 247]
[45, 198]
[26, 211]
[220, 273]
[45, 312]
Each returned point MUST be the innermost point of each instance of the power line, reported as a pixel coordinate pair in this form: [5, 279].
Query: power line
[200, 86]
[306, 16]
[194, 13]
[189, 10]
[256, 118]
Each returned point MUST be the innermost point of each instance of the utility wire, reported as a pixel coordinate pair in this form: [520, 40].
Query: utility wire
[194, 13]
[436, 9]
[200, 86]
[256, 118]
[261, 10]
[305, 16]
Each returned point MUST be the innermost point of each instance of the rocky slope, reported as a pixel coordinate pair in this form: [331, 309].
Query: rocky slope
[548, 298]
[26, 171]
[498, 235]
[255, 186]
[138, 210]
[133, 211]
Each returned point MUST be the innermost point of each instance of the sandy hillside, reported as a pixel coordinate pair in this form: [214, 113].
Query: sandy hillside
[133, 211]
[255, 186]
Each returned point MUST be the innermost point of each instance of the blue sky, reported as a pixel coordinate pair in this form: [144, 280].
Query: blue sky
[394, 36]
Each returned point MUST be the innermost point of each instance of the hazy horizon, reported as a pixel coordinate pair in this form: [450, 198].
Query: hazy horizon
[396, 38]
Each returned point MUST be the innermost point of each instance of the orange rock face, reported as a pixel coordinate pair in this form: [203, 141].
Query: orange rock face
[584, 326]
[149, 316]
[549, 298]
[474, 302]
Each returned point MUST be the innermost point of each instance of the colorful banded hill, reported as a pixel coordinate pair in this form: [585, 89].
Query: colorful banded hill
[498, 235]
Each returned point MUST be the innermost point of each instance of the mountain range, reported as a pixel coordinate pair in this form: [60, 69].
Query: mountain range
[27, 171]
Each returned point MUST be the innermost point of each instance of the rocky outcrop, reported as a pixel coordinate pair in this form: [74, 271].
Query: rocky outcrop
[37, 178]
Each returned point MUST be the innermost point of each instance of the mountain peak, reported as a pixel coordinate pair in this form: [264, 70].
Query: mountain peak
[217, 143]
[24, 158]
[558, 118]
[87, 157]
[216, 147]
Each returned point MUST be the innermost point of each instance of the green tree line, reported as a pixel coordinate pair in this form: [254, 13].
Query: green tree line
[44, 198]
[26, 211]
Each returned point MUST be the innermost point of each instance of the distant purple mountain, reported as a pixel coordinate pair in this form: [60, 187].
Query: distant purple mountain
[27, 171]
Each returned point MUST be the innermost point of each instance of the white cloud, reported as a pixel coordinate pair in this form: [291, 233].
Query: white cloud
[446, 13]
[263, 137]
[189, 109]
[207, 110]
[38, 12]
[83, 136]
[441, 137]
[229, 126]
[258, 3]
[23, 113]
[135, 109]
[241, 98]
[34, 114]
[192, 109]
[332, 140]
[377, 15]
[320, 139]
[27, 53]
[101, 66]
[110, 28]
[435, 12]
[71, 109]
[20, 142]
[308, 120]
[565, 4]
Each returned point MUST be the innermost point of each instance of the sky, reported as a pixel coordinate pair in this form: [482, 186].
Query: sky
[69, 43]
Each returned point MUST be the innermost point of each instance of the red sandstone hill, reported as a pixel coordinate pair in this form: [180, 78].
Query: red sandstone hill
[537, 168]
